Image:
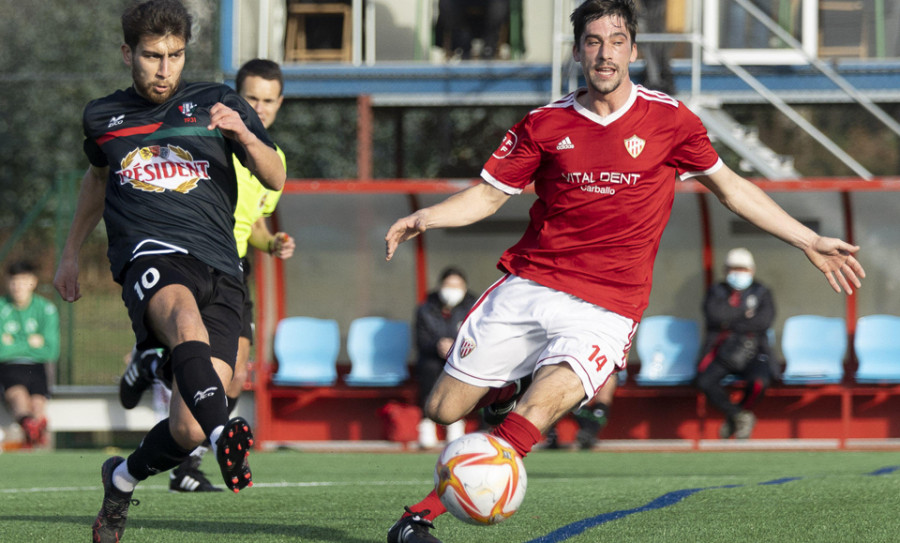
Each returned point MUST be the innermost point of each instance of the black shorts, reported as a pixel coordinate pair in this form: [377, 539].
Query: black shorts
[220, 297]
[247, 313]
[31, 375]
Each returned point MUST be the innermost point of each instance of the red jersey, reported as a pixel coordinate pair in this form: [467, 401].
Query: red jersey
[605, 187]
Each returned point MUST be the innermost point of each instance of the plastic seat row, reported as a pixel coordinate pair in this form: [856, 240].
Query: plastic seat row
[307, 350]
[813, 348]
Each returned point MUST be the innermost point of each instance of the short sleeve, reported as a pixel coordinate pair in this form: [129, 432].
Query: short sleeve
[251, 119]
[695, 154]
[95, 154]
[512, 166]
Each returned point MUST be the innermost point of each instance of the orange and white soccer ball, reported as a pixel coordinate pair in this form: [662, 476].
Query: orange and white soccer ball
[480, 479]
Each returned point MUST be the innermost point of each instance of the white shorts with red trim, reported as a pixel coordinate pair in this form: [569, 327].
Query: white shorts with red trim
[518, 326]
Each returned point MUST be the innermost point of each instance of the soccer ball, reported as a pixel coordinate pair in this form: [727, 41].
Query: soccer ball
[480, 479]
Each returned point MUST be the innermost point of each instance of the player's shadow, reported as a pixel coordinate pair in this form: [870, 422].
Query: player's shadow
[210, 527]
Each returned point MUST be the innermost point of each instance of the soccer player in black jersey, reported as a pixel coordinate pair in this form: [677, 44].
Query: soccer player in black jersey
[161, 175]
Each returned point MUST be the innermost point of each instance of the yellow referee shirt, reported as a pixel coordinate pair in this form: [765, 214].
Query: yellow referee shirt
[254, 201]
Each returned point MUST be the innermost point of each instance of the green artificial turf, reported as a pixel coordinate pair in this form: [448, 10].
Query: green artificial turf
[575, 497]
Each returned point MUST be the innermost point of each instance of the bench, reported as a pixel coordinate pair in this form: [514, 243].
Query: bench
[323, 413]
[843, 413]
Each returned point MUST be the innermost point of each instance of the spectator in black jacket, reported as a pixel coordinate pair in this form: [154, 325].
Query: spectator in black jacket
[739, 313]
[437, 322]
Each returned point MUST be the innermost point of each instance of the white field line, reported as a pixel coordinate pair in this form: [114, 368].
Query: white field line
[284, 484]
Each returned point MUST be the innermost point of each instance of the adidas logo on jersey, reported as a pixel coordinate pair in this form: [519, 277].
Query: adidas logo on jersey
[565, 144]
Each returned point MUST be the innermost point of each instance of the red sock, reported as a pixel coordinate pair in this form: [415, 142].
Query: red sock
[494, 395]
[432, 504]
[519, 432]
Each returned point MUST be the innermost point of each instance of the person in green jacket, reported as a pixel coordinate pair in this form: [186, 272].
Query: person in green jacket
[29, 340]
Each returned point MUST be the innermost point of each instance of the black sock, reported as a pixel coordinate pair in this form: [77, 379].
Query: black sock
[158, 452]
[232, 402]
[199, 385]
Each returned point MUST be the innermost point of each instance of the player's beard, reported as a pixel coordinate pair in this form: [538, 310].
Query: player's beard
[604, 86]
[145, 88]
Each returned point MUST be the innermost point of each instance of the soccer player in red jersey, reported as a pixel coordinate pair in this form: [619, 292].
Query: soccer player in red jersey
[604, 161]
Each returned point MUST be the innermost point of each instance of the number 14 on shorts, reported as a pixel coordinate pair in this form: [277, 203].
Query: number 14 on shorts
[598, 358]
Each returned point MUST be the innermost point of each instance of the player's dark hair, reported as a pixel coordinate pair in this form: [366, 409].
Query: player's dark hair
[591, 10]
[263, 68]
[21, 266]
[156, 18]
[453, 271]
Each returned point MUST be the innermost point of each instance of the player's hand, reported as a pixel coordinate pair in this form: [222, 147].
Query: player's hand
[402, 230]
[835, 259]
[229, 122]
[283, 246]
[66, 280]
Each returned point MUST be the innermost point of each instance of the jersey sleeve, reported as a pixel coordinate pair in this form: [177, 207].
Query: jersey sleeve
[695, 154]
[95, 155]
[272, 196]
[251, 119]
[511, 167]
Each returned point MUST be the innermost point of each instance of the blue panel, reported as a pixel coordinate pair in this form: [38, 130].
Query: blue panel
[227, 34]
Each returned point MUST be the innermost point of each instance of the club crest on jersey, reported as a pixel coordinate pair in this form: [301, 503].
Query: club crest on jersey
[634, 145]
[159, 168]
[466, 347]
[187, 108]
[507, 145]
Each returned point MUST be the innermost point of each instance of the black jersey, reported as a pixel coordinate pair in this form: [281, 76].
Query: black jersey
[171, 186]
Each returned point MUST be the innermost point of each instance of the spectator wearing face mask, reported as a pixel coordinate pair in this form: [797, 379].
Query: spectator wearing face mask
[437, 322]
[739, 312]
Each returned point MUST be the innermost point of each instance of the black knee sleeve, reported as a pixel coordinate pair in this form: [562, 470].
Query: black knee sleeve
[199, 384]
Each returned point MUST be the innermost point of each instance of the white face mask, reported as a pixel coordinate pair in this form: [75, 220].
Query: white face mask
[451, 296]
[739, 280]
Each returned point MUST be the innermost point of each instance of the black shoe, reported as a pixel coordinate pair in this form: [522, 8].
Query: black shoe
[586, 439]
[496, 413]
[552, 439]
[590, 421]
[138, 377]
[232, 450]
[110, 523]
[188, 478]
[412, 529]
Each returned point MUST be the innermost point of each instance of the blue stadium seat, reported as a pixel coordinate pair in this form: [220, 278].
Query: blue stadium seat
[877, 347]
[307, 350]
[814, 349]
[378, 350]
[668, 348]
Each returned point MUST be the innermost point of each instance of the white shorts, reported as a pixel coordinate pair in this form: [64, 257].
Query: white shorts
[518, 326]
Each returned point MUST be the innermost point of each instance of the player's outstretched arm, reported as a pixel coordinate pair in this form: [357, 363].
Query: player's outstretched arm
[88, 212]
[262, 160]
[465, 207]
[834, 257]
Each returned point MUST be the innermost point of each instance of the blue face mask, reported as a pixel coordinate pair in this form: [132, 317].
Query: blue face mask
[739, 280]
